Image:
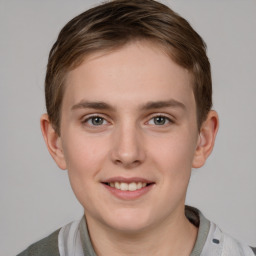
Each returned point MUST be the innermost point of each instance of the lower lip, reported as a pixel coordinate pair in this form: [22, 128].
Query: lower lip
[128, 195]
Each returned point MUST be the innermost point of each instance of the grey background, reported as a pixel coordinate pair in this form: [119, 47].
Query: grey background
[36, 198]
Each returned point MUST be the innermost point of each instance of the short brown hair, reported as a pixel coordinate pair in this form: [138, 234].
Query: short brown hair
[114, 24]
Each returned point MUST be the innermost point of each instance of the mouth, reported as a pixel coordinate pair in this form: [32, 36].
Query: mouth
[125, 186]
[128, 188]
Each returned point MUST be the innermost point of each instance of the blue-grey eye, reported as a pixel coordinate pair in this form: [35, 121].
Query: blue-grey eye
[159, 120]
[96, 120]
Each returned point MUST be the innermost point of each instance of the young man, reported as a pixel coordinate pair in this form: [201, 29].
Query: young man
[128, 96]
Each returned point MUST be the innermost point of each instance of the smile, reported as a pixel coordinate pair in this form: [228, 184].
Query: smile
[133, 186]
[128, 188]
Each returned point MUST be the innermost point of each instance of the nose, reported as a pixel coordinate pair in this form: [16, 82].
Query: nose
[127, 148]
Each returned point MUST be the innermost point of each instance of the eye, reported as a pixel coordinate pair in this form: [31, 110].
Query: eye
[95, 121]
[159, 120]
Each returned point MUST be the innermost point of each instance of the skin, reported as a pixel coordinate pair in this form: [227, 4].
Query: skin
[130, 142]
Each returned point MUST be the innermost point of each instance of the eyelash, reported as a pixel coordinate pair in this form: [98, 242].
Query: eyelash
[166, 119]
[90, 119]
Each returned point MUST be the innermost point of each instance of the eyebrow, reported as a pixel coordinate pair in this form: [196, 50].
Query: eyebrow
[150, 105]
[163, 104]
[91, 104]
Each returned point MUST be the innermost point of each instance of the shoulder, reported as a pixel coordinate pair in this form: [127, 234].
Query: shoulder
[224, 244]
[212, 241]
[48, 246]
[236, 247]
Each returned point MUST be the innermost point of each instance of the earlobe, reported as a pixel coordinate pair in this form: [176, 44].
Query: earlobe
[53, 141]
[206, 139]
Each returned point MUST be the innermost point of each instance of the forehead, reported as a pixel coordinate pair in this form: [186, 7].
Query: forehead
[139, 71]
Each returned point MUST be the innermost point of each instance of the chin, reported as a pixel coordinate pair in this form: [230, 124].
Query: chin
[129, 221]
[129, 228]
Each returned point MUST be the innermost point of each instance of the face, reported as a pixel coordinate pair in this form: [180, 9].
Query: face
[128, 136]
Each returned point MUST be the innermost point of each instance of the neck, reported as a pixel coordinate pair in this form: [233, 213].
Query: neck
[172, 237]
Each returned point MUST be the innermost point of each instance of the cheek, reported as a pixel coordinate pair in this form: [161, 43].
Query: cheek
[174, 155]
[172, 158]
[85, 158]
[83, 153]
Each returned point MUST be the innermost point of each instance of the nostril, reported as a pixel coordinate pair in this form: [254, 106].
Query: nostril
[127, 163]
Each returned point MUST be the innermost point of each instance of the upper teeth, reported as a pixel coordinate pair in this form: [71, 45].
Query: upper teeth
[127, 186]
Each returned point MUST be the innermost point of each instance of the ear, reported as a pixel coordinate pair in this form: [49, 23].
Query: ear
[53, 141]
[206, 139]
